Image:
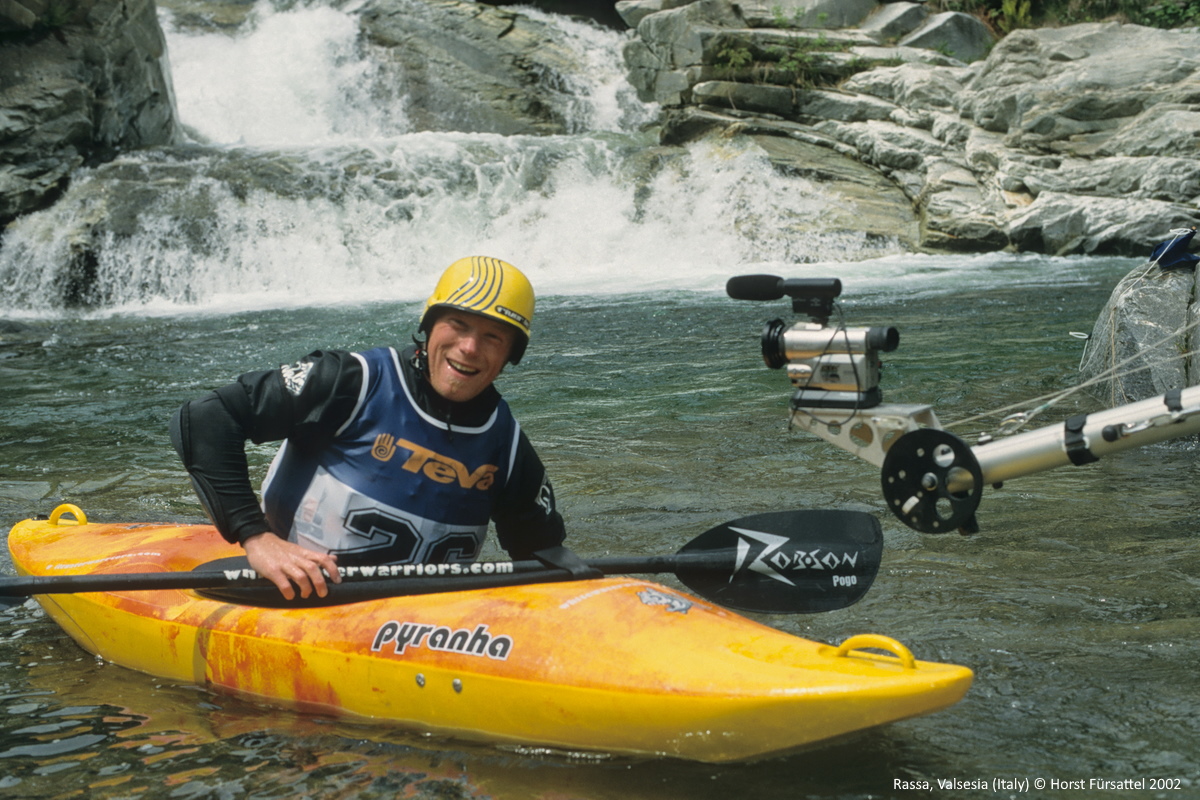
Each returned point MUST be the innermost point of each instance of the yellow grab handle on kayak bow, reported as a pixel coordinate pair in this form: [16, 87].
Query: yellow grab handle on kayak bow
[878, 642]
[68, 508]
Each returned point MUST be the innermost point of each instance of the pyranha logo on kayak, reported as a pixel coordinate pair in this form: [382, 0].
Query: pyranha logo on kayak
[775, 562]
[439, 637]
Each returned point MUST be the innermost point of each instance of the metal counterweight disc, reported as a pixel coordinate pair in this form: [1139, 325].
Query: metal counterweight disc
[916, 477]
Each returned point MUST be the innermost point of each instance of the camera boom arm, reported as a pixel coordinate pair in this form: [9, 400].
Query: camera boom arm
[931, 479]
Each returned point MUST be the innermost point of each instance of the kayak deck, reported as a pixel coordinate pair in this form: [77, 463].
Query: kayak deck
[617, 665]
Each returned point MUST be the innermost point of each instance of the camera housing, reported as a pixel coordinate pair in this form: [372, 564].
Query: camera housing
[830, 367]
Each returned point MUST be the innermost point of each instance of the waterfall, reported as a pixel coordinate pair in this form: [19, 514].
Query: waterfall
[306, 184]
[297, 78]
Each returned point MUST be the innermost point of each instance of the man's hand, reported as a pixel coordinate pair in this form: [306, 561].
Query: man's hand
[289, 565]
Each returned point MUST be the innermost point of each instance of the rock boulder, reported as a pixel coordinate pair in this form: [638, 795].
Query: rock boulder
[1075, 140]
[474, 67]
[1136, 349]
[78, 83]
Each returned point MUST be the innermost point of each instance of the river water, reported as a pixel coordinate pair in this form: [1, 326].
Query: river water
[1077, 604]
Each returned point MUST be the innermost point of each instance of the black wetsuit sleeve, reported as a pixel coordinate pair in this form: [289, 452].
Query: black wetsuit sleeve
[306, 402]
[525, 513]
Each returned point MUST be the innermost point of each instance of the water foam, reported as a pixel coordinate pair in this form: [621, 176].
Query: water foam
[314, 192]
[295, 78]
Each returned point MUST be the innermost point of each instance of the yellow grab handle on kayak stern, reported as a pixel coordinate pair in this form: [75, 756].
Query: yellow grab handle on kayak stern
[878, 642]
[68, 508]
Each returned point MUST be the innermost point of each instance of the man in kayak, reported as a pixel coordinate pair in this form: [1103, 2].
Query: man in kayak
[388, 457]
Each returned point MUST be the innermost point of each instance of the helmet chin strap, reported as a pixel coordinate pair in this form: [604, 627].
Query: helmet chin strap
[420, 358]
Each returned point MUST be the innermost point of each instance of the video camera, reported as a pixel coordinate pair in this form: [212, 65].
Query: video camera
[930, 478]
[830, 367]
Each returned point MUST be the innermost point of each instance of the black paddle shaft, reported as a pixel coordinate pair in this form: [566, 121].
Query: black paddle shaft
[783, 562]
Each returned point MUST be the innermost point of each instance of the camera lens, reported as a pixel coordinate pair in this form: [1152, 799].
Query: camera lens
[773, 350]
[883, 339]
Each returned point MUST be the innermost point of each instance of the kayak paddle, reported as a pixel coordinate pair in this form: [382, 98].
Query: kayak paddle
[786, 562]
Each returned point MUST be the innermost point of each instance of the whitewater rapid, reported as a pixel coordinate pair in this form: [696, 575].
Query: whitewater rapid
[360, 207]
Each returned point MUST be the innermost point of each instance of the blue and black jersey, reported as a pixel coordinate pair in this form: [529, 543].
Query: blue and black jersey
[375, 466]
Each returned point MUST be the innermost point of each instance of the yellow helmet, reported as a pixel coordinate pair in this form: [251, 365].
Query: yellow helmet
[489, 287]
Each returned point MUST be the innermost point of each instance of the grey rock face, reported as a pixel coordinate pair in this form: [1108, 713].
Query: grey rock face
[473, 67]
[1071, 140]
[76, 88]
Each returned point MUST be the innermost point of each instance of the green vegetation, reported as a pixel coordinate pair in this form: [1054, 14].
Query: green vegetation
[811, 59]
[1015, 14]
[732, 58]
[796, 59]
[1008, 15]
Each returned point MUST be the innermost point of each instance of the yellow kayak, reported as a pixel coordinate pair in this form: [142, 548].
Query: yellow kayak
[616, 665]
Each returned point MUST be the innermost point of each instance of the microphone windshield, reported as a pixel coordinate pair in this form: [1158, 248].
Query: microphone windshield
[755, 287]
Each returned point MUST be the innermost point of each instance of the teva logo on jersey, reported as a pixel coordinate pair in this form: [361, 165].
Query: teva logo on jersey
[771, 559]
[434, 466]
[439, 637]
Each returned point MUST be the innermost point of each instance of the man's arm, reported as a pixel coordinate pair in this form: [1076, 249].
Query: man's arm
[210, 434]
[306, 402]
[526, 515]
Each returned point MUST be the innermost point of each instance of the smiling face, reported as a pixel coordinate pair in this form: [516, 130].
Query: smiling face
[466, 353]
